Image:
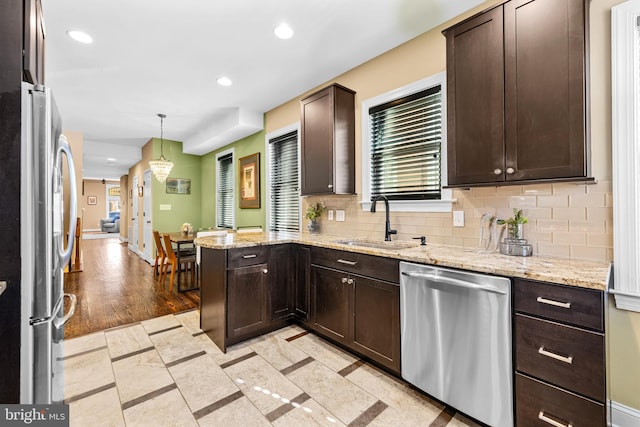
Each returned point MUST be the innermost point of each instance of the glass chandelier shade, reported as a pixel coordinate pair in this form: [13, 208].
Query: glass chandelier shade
[161, 167]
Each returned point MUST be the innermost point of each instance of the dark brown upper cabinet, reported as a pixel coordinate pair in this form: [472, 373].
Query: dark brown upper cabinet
[33, 42]
[328, 141]
[517, 94]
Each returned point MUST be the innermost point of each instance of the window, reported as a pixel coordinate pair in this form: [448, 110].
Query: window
[284, 178]
[404, 147]
[225, 202]
[625, 61]
[113, 199]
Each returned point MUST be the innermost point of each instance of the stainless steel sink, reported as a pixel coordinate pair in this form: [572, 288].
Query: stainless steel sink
[378, 244]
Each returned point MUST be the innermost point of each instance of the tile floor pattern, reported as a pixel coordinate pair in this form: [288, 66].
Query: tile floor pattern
[167, 372]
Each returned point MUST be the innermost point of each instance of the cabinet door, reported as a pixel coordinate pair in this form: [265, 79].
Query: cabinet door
[280, 282]
[302, 283]
[376, 329]
[331, 302]
[247, 300]
[545, 121]
[317, 143]
[475, 100]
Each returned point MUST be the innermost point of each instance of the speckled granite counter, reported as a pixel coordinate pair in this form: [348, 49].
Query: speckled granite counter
[580, 273]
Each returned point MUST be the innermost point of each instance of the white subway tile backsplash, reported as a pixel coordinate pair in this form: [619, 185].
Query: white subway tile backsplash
[569, 237]
[555, 201]
[587, 200]
[522, 202]
[570, 213]
[565, 219]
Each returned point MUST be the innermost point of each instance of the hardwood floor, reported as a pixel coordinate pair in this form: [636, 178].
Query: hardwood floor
[117, 287]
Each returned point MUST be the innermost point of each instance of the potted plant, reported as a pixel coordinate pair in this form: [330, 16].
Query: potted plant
[313, 213]
[514, 224]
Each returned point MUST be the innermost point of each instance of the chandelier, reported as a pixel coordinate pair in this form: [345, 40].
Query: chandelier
[161, 167]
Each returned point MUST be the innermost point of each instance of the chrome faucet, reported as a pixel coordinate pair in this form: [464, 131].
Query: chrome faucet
[387, 226]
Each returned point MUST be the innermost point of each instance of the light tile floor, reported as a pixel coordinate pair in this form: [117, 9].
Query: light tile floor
[166, 372]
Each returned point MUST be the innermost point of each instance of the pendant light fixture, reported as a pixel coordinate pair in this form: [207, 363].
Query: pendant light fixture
[162, 166]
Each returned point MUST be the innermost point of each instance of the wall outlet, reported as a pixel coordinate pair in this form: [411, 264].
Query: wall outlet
[458, 218]
[330, 214]
[340, 215]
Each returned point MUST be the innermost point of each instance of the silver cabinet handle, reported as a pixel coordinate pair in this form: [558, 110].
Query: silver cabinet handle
[350, 281]
[249, 256]
[344, 261]
[265, 271]
[344, 280]
[511, 171]
[543, 417]
[497, 171]
[553, 303]
[330, 186]
[552, 355]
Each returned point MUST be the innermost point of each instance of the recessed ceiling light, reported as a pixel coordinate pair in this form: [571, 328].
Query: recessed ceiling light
[283, 31]
[111, 160]
[80, 36]
[224, 81]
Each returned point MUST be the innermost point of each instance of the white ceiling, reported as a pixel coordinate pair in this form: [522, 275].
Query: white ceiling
[164, 56]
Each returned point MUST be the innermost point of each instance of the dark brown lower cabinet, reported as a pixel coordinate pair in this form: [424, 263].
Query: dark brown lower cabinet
[376, 321]
[541, 404]
[247, 297]
[559, 350]
[281, 274]
[302, 283]
[331, 307]
[360, 312]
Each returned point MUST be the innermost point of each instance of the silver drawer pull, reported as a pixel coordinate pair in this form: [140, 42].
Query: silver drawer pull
[554, 303]
[344, 261]
[249, 256]
[547, 353]
[543, 417]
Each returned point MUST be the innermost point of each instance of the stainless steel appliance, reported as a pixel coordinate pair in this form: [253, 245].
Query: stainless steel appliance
[456, 339]
[43, 256]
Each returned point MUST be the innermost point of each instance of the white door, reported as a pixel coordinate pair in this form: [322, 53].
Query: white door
[134, 217]
[146, 214]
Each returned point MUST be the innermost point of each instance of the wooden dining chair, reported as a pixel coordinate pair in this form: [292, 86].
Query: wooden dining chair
[160, 254]
[172, 260]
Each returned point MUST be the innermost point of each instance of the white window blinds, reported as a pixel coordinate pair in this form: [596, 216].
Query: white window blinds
[406, 138]
[285, 198]
[225, 206]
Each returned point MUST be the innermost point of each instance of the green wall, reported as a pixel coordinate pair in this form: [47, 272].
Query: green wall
[184, 207]
[244, 217]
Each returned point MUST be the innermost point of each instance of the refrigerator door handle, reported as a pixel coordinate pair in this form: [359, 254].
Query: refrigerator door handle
[65, 254]
[61, 322]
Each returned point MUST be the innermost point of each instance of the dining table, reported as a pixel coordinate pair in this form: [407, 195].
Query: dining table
[181, 240]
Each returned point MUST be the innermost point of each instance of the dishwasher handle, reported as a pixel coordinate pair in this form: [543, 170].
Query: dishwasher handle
[452, 281]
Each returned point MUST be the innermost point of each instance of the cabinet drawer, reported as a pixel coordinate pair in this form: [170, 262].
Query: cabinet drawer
[241, 257]
[562, 355]
[538, 403]
[578, 306]
[366, 265]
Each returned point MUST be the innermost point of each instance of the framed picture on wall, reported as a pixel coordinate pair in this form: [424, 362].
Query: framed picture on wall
[92, 200]
[178, 186]
[250, 182]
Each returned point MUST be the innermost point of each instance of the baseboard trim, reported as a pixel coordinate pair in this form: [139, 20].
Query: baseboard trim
[624, 416]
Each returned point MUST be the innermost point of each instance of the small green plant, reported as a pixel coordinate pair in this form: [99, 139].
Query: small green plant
[315, 211]
[513, 223]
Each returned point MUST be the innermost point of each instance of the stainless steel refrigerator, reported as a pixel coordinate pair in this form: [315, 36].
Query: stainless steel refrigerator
[43, 252]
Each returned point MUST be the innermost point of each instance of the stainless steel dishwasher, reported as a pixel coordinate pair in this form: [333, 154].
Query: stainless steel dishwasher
[456, 339]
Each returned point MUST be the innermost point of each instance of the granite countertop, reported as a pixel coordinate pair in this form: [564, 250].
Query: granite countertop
[573, 272]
